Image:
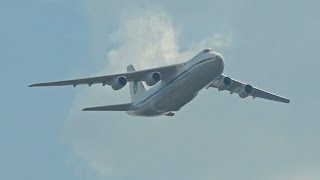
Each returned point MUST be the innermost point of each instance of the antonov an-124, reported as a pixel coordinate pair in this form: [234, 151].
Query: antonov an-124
[170, 87]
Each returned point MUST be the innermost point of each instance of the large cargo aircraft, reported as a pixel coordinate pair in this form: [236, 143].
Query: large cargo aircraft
[171, 87]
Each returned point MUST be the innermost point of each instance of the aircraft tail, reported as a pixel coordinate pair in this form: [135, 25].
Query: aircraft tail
[136, 88]
[118, 107]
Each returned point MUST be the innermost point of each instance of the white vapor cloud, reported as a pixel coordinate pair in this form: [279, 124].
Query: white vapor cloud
[115, 144]
[145, 41]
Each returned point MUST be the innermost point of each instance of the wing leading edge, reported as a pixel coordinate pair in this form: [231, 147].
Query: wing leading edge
[167, 72]
[238, 87]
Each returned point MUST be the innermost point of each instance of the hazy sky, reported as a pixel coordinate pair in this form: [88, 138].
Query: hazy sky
[270, 44]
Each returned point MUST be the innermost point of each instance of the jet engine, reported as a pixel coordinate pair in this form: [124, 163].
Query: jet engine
[153, 78]
[119, 82]
[224, 83]
[246, 91]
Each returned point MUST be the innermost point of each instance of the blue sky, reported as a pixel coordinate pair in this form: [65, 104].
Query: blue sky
[43, 134]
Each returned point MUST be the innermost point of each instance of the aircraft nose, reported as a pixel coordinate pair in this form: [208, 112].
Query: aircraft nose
[219, 62]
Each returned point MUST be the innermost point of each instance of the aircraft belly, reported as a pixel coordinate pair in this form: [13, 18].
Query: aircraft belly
[180, 91]
[184, 89]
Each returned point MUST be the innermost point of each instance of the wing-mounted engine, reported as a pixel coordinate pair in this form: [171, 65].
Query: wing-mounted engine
[153, 78]
[246, 91]
[224, 83]
[119, 82]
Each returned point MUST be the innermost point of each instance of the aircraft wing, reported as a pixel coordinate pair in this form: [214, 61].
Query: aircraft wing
[167, 72]
[244, 90]
[118, 107]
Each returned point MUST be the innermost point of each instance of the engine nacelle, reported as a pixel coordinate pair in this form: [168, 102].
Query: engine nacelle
[119, 82]
[246, 91]
[153, 78]
[224, 83]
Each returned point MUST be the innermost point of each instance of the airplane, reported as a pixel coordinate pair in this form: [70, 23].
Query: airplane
[170, 87]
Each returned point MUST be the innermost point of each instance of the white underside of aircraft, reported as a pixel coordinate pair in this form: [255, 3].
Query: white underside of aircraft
[172, 86]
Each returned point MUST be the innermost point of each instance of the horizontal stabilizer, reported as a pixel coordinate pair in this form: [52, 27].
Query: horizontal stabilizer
[118, 107]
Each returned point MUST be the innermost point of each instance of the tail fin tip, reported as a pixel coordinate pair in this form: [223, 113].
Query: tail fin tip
[130, 68]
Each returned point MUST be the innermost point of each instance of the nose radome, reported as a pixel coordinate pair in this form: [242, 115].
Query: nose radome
[219, 59]
[219, 62]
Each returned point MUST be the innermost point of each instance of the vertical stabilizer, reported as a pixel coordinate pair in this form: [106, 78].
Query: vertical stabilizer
[136, 88]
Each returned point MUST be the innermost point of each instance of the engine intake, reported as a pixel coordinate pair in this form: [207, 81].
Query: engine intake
[119, 82]
[224, 83]
[246, 91]
[153, 78]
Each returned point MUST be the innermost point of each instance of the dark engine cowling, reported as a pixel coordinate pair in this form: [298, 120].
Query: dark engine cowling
[246, 91]
[153, 78]
[224, 83]
[119, 82]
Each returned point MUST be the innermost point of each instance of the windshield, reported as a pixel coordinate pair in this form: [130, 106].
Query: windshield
[207, 50]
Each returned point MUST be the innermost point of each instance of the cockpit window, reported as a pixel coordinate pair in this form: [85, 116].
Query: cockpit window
[207, 50]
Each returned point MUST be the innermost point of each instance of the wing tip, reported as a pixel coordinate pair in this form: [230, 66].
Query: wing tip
[91, 109]
[284, 100]
[32, 85]
[37, 85]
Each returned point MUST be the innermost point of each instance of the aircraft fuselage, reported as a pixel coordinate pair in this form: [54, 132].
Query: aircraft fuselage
[170, 96]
